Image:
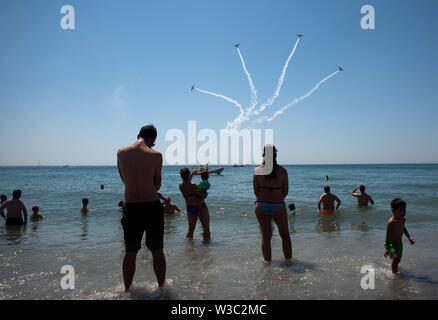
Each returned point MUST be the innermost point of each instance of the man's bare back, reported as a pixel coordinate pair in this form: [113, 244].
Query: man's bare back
[14, 207]
[328, 201]
[362, 198]
[140, 169]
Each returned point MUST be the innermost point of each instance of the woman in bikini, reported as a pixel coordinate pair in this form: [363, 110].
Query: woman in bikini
[270, 190]
[195, 204]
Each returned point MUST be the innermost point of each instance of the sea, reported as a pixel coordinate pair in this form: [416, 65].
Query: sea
[70, 256]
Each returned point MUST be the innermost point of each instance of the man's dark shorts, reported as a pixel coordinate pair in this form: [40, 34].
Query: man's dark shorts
[143, 217]
[14, 221]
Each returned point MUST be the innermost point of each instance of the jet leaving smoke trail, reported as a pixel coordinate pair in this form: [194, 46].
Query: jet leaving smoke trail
[241, 118]
[251, 84]
[296, 100]
[280, 81]
[223, 97]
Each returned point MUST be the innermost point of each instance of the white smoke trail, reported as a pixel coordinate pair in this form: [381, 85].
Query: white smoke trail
[251, 84]
[241, 118]
[296, 100]
[271, 100]
[223, 97]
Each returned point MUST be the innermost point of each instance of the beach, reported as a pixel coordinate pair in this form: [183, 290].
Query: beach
[328, 251]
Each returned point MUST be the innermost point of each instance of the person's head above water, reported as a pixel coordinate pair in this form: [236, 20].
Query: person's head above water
[35, 209]
[204, 175]
[362, 188]
[291, 206]
[148, 134]
[16, 194]
[3, 198]
[326, 189]
[85, 201]
[185, 173]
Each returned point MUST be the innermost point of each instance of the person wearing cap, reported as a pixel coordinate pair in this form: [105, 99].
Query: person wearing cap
[36, 216]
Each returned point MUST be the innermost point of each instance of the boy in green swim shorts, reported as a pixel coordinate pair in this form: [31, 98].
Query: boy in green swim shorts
[394, 232]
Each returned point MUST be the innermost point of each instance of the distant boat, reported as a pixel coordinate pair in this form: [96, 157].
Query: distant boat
[238, 165]
[212, 171]
[67, 166]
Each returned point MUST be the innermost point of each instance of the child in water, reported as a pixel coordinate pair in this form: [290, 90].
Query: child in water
[292, 209]
[170, 208]
[36, 216]
[204, 185]
[394, 233]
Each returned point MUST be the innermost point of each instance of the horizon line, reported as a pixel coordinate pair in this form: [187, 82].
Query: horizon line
[223, 165]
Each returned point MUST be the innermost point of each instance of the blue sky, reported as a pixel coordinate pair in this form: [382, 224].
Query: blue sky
[76, 96]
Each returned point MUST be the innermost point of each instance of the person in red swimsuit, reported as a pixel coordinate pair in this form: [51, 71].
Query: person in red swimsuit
[328, 201]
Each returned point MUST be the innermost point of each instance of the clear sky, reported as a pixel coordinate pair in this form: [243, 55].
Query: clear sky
[76, 96]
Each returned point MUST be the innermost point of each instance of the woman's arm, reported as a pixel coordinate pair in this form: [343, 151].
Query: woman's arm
[285, 186]
[256, 186]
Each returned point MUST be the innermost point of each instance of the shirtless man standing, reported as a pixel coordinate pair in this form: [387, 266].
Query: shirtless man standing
[328, 201]
[140, 170]
[14, 206]
[362, 197]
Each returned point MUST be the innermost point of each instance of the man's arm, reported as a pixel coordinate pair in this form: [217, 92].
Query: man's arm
[157, 173]
[2, 208]
[354, 190]
[319, 203]
[339, 202]
[370, 199]
[23, 207]
[118, 167]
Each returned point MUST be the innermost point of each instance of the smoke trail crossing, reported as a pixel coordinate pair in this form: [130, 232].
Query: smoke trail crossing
[241, 118]
[296, 100]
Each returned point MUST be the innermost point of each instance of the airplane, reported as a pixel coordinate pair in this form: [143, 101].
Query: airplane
[340, 69]
[236, 46]
[299, 35]
[193, 87]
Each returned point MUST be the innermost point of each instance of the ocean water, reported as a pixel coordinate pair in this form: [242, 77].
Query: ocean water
[328, 251]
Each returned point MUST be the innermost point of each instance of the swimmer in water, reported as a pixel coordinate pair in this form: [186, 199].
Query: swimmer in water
[362, 198]
[292, 209]
[328, 201]
[170, 208]
[36, 216]
[16, 210]
[84, 208]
